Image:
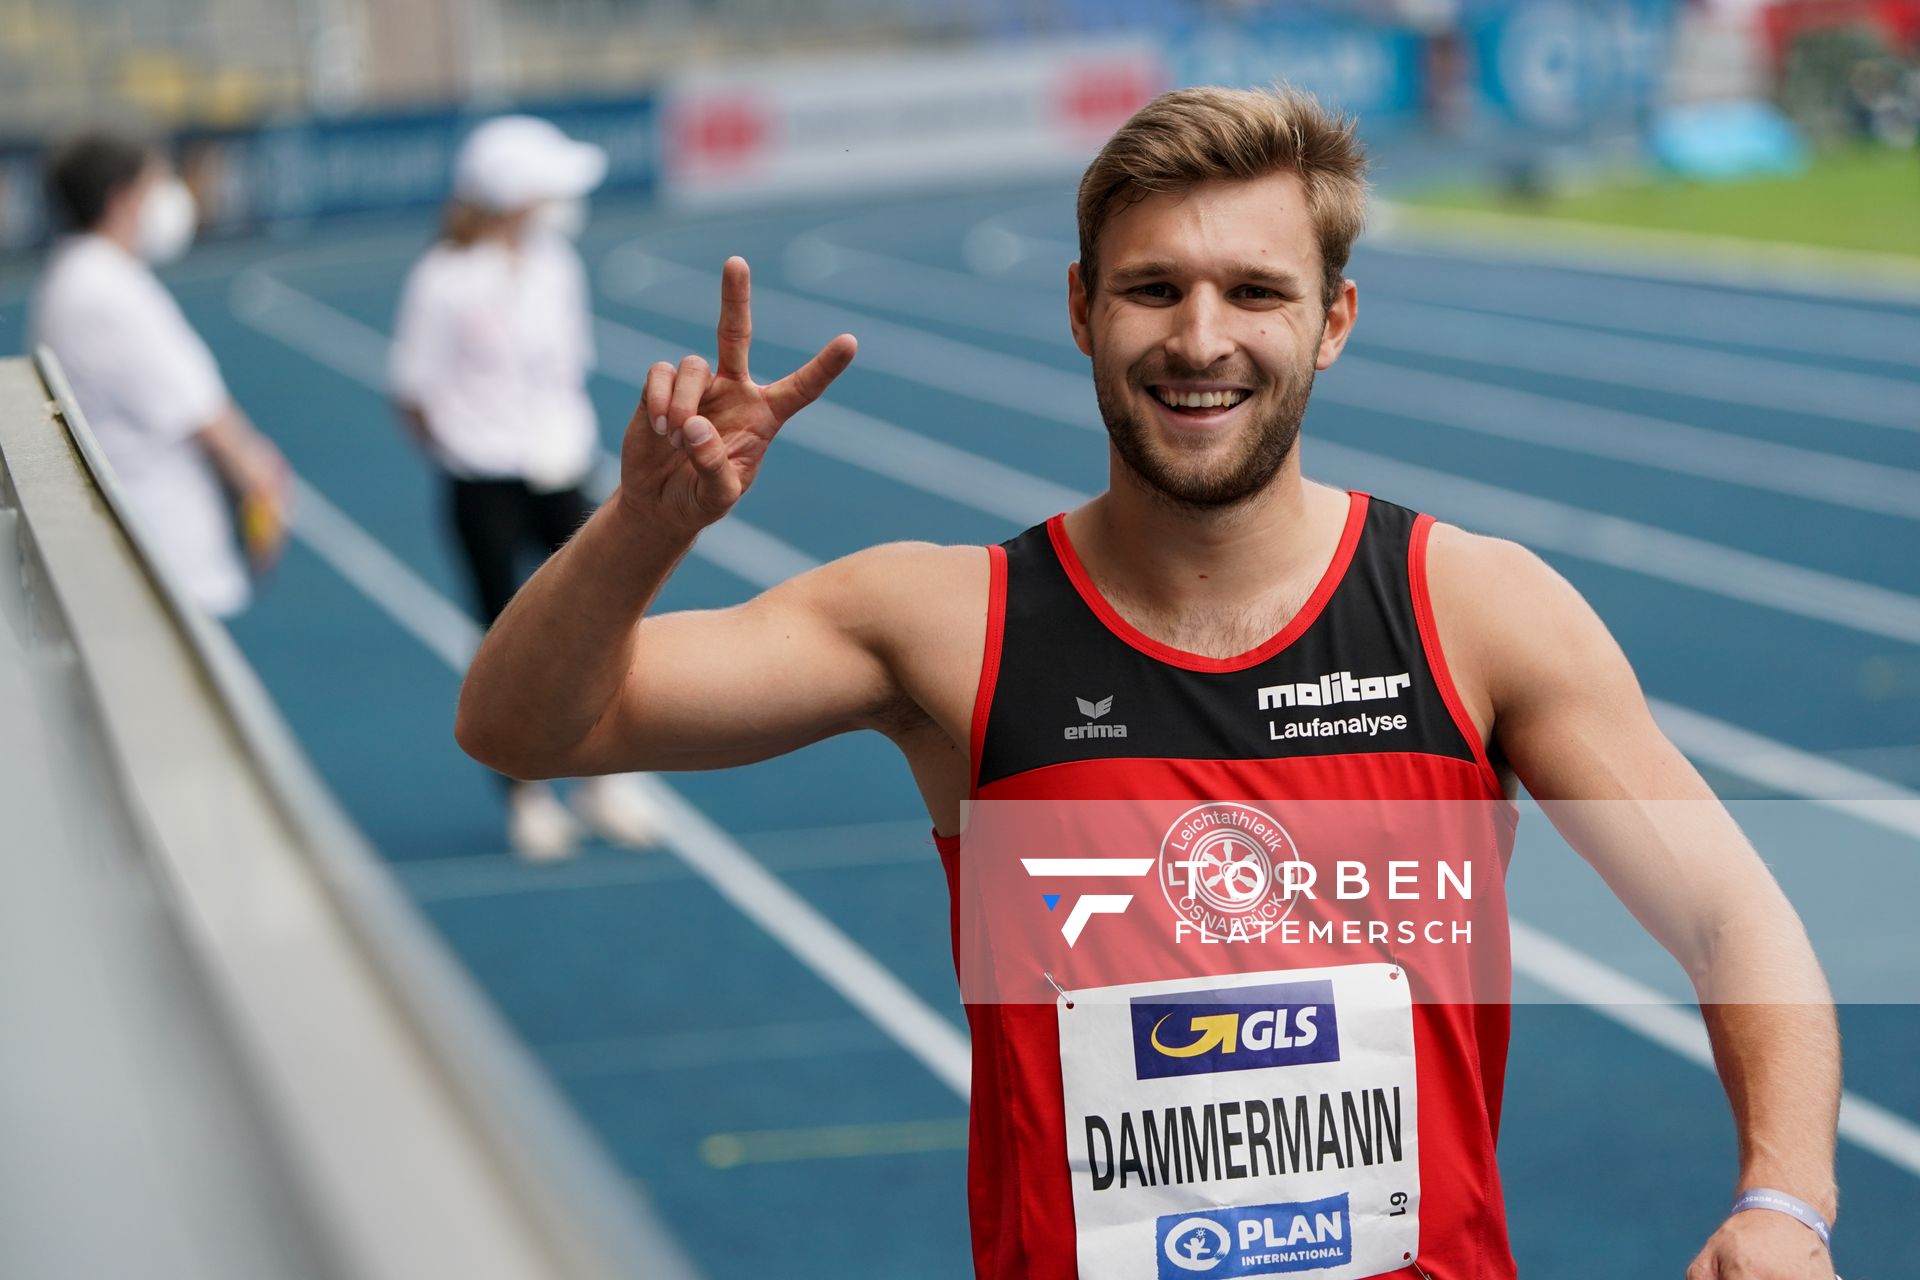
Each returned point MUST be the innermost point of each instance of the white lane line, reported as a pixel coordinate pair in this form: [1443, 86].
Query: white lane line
[834, 957]
[864, 278]
[1530, 418]
[1044, 391]
[1539, 346]
[1867, 797]
[962, 369]
[479, 875]
[360, 558]
[1690, 256]
[884, 449]
[875, 280]
[1689, 312]
[1653, 1015]
[991, 247]
[1683, 304]
[792, 921]
[733, 873]
[694, 1050]
[871, 279]
[320, 332]
[879, 447]
[943, 1049]
[1634, 547]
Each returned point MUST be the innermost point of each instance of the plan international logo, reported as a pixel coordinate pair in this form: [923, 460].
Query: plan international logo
[1257, 1240]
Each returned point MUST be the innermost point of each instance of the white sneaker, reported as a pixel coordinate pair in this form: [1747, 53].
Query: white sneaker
[618, 808]
[538, 826]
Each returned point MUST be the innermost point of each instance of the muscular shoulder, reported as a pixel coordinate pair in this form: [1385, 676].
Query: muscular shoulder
[920, 609]
[898, 584]
[1510, 625]
[899, 597]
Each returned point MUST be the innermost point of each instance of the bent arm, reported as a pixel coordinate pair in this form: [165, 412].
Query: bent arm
[573, 679]
[1569, 717]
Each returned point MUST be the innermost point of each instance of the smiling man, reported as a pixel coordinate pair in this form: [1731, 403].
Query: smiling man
[1211, 613]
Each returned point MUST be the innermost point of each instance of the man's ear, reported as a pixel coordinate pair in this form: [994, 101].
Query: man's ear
[1078, 307]
[1339, 325]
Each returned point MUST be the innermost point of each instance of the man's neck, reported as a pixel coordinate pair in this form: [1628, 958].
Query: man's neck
[1169, 561]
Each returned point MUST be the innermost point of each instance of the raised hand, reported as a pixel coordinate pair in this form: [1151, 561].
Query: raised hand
[698, 435]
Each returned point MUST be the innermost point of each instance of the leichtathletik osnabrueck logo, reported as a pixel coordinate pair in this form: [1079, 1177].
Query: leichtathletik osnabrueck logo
[1224, 869]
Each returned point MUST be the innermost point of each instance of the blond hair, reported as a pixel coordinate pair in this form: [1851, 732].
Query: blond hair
[1190, 136]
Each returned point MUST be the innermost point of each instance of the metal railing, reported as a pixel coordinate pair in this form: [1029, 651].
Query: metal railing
[272, 1064]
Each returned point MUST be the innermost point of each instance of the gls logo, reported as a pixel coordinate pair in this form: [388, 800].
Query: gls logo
[1256, 1240]
[1094, 711]
[1197, 1032]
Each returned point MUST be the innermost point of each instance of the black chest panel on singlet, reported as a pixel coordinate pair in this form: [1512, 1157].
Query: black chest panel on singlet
[1356, 681]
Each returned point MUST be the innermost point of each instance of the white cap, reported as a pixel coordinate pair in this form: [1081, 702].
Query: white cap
[511, 162]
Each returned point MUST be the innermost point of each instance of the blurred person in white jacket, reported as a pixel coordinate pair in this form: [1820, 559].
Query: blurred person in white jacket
[198, 476]
[488, 371]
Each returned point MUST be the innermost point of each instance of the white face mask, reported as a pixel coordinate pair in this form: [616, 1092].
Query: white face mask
[562, 217]
[167, 217]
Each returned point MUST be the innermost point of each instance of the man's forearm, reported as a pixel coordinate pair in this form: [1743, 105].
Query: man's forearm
[1778, 1055]
[548, 669]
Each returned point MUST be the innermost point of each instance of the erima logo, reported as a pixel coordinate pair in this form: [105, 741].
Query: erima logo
[1282, 1025]
[1338, 686]
[1255, 1240]
[1094, 711]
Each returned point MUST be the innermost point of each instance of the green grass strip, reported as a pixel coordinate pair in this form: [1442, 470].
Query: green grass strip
[1865, 199]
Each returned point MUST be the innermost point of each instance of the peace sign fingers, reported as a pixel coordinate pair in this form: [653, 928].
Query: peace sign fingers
[806, 384]
[736, 319]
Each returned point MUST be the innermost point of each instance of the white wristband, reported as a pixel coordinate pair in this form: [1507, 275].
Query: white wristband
[1780, 1202]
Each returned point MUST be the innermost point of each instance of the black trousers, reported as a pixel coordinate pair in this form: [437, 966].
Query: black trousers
[499, 523]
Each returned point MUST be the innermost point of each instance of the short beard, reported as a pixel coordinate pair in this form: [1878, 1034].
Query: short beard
[1263, 448]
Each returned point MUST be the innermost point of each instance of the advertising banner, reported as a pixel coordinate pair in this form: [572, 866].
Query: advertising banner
[322, 167]
[1362, 68]
[899, 121]
[1567, 66]
[293, 171]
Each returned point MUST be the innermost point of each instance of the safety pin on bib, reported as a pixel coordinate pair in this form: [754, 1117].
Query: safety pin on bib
[1064, 993]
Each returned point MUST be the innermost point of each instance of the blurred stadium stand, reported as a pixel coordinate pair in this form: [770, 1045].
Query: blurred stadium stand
[289, 110]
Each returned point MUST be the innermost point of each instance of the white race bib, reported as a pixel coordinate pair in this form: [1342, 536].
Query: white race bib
[1262, 1124]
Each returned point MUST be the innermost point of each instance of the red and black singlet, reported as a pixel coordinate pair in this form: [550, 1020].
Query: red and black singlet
[1351, 701]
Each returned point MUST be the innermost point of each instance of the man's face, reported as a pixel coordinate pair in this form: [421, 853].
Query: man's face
[1211, 296]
